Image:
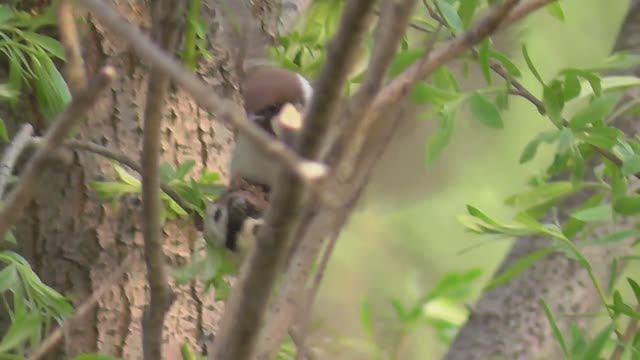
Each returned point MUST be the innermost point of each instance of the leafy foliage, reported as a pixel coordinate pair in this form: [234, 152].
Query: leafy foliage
[31, 305]
[31, 56]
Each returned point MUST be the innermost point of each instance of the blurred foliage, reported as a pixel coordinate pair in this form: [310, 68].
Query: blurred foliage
[31, 55]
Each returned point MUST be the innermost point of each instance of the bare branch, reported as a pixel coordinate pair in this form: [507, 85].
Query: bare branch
[49, 344]
[74, 68]
[166, 18]
[226, 109]
[245, 311]
[11, 154]
[77, 109]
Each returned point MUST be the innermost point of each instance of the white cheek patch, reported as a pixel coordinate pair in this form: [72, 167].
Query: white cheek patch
[307, 90]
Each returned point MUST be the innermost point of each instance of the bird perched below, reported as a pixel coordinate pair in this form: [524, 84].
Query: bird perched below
[232, 221]
[275, 99]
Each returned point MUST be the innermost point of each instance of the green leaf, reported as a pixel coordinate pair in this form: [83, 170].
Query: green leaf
[611, 83]
[517, 267]
[555, 330]
[366, 318]
[6, 13]
[533, 69]
[627, 205]
[511, 68]
[7, 92]
[600, 136]
[23, 327]
[631, 166]
[8, 278]
[553, 99]
[485, 111]
[596, 345]
[51, 90]
[616, 236]
[466, 10]
[4, 135]
[596, 213]
[403, 60]
[184, 168]
[565, 140]
[532, 147]
[595, 112]
[618, 60]
[51, 45]
[424, 93]
[450, 15]
[125, 176]
[636, 289]
[555, 9]
[484, 56]
[440, 138]
[541, 193]
[572, 86]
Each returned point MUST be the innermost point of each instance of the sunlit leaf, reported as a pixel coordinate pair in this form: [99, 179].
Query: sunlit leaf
[555, 330]
[485, 111]
[517, 267]
[450, 15]
[555, 9]
[596, 213]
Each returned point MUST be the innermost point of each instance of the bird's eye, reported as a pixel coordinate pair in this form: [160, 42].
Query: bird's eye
[217, 215]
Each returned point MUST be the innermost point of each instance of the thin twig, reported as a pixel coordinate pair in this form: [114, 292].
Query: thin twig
[77, 109]
[11, 154]
[245, 311]
[309, 172]
[121, 158]
[305, 314]
[165, 17]
[56, 336]
[74, 68]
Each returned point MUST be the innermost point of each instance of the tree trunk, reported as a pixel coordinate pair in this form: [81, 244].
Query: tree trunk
[74, 241]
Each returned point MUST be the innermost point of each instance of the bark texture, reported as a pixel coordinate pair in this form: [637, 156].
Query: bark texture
[74, 240]
[508, 322]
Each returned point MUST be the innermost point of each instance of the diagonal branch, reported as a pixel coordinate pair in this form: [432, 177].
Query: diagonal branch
[74, 68]
[77, 109]
[226, 109]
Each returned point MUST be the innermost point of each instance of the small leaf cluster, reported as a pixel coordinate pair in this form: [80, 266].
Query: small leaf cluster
[196, 192]
[30, 56]
[441, 308]
[32, 306]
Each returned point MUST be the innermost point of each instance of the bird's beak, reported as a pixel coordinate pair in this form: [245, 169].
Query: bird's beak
[287, 123]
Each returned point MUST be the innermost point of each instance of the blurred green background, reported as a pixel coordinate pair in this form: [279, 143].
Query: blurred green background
[405, 236]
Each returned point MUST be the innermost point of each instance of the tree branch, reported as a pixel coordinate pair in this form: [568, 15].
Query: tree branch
[77, 109]
[245, 311]
[166, 24]
[74, 68]
[11, 154]
[227, 110]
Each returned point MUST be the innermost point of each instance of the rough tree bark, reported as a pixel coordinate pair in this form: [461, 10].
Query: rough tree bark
[74, 241]
[508, 322]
